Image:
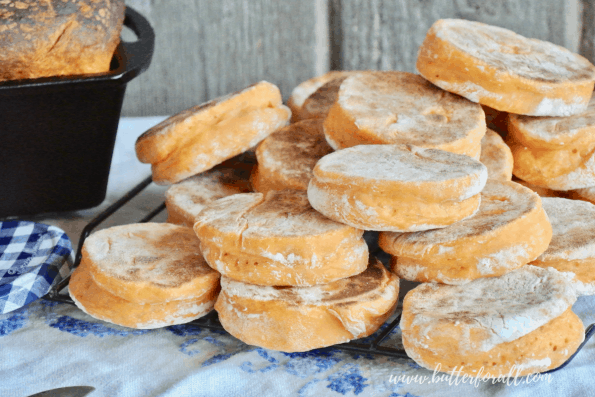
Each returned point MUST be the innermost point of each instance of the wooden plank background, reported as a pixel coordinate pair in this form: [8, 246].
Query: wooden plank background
[207, 48]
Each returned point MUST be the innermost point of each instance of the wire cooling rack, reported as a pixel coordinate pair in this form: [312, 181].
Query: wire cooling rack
[368, 345]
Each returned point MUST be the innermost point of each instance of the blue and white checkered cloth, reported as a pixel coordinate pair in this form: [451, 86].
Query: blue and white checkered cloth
[33, 258]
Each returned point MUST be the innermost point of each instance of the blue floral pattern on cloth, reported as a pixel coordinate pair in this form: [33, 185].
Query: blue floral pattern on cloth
[33, 258]
[185, 360]
[14, 322]
[349, 379]
[83, 328]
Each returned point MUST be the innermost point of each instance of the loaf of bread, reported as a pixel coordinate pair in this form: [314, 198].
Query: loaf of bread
[57, 37]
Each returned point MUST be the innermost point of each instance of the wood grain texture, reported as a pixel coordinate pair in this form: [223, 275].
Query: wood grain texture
[386, 34]
[207, 48]
[587, 40]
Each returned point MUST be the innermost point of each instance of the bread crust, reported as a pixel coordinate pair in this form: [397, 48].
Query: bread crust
[56, 38]
[296, 319]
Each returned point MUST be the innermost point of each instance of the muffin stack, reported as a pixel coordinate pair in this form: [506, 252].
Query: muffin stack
[508, 75]
[292, 279]
[147, 275]
[410, 157]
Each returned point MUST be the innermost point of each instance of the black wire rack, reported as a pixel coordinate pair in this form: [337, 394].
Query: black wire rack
[368, 345]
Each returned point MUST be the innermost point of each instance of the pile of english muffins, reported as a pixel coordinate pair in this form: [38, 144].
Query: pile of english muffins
[268, 203]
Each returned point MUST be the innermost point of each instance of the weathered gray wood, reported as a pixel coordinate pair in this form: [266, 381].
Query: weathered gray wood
[386, 34]
[207, 48]
[587, 41]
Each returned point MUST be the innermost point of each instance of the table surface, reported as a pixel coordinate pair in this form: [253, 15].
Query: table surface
[48, 345]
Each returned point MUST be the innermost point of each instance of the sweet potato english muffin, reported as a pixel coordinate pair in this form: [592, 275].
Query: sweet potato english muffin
[277, 210]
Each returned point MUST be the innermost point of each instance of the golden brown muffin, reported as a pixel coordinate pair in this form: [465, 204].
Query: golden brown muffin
[296, 319]
[149, 263]
[399, 188]
[496, 156]
[201, 137]
[319, 103]
[572, 248]
[278, 239]
[307, 88]
[403, 108]
[520, 323]
[184, 200]
[557, 153]
[287, 157]
[509, 230]
[103, 305]
[505, 71]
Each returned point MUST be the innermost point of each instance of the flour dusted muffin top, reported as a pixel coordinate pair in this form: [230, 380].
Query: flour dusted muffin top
[505, 71]
[287, 157]
[306, 88]
[554, 152]
[148, 262]
[509, 230]
[572, 249]
[102, 304]
[184, 200]
[521, 320]
[399, 188]
[403, 108]
[294, 319]
[278, 239]
[199, 138]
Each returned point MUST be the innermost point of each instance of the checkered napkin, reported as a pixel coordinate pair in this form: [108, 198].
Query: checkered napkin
[33, 258]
